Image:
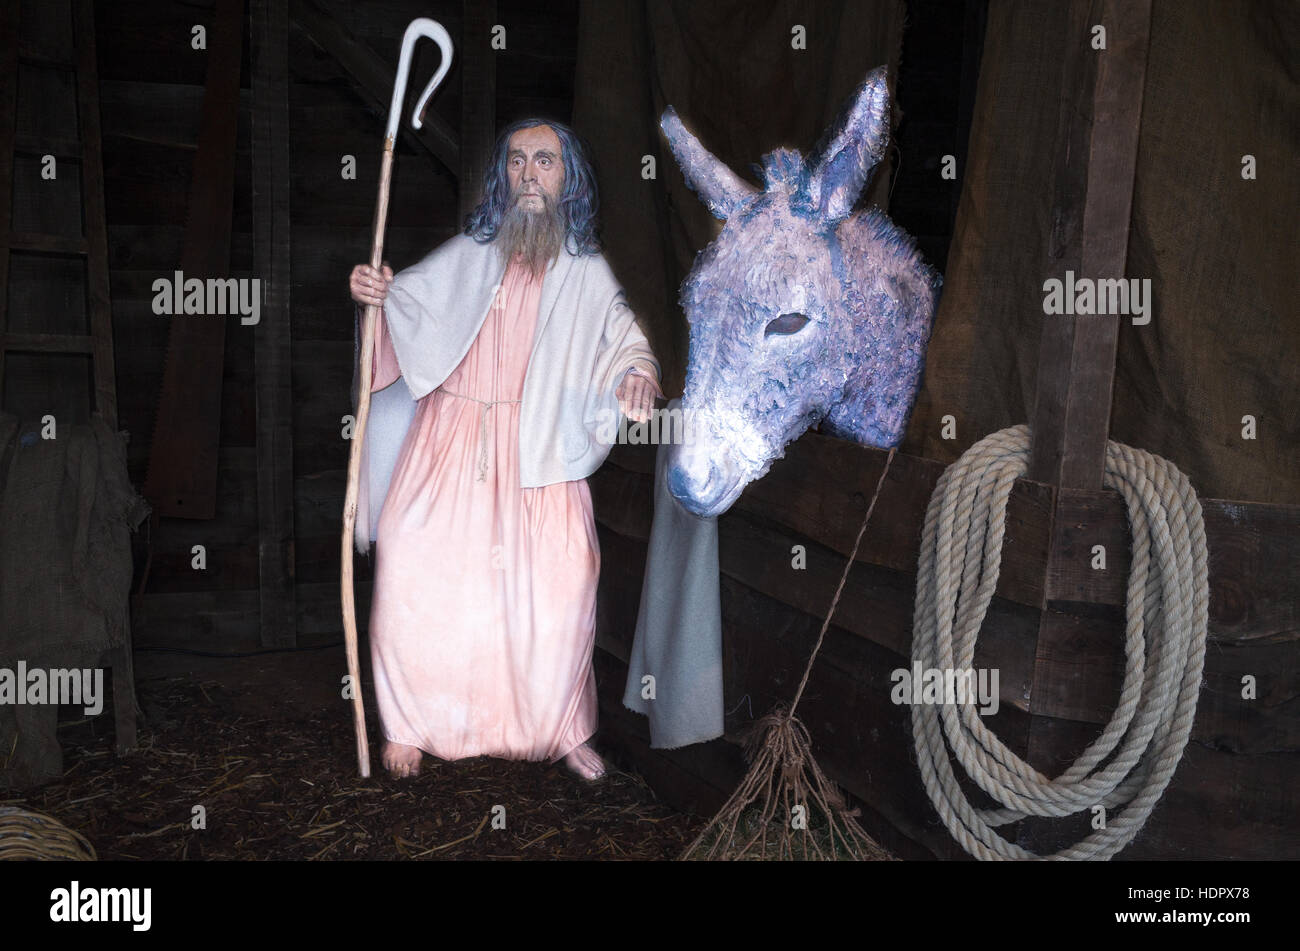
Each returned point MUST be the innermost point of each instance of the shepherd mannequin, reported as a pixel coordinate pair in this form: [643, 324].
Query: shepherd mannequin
[514, 341]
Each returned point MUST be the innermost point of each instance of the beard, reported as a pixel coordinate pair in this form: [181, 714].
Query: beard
[536, 235]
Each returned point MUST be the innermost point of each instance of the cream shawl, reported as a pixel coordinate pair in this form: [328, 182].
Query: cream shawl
[586, 338]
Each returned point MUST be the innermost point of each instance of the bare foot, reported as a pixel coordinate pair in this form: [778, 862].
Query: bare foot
[401, 761]
[585, 762]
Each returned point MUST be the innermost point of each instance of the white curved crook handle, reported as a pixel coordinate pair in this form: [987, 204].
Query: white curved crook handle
[418, 28]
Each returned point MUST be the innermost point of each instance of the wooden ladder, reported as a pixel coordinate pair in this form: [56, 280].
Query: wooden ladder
[55, 311]
[48, 227]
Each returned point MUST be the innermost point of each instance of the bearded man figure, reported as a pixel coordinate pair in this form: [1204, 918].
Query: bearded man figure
[517, 349]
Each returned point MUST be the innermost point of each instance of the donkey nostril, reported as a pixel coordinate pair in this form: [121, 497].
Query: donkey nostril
[696, 489]
[678, 483]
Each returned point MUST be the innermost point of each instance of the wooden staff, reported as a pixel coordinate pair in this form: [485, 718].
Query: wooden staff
[418, 28]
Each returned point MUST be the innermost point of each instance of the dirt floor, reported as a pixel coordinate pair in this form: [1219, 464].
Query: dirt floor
[264, 744]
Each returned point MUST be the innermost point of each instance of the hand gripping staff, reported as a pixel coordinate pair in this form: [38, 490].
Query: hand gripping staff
[418, 28]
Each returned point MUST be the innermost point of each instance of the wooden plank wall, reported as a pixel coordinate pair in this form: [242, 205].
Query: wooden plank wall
[1231, 796]
[151, 93]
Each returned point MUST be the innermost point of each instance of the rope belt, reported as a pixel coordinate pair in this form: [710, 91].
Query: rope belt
[487, 405]
[1164, 649]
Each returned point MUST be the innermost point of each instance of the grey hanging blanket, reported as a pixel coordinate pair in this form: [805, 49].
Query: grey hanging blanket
[678, 638]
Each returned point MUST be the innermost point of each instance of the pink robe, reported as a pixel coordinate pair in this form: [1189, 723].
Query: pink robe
[483, 618]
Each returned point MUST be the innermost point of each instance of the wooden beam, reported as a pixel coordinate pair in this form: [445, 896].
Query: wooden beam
[182, 473]
[374, 76]
[1076, 367]
[1112, 167]
[34, 57]
[272, 356]
[47, 243]
[478, 99]
[49, 343]
[1077, 357]
[27, 144]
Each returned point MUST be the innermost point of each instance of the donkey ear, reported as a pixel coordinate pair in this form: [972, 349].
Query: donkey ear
[721, 189]
[843, 160]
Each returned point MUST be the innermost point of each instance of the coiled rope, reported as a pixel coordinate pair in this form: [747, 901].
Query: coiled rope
[1167, 612]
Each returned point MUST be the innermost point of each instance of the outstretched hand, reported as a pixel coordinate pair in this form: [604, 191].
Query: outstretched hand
[636, 395]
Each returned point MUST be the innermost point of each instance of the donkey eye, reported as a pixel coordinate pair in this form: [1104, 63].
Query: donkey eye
[785, 324]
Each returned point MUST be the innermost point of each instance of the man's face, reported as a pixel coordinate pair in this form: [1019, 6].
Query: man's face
[535, 165]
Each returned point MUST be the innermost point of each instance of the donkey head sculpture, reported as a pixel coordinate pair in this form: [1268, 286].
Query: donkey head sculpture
[800, 312]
